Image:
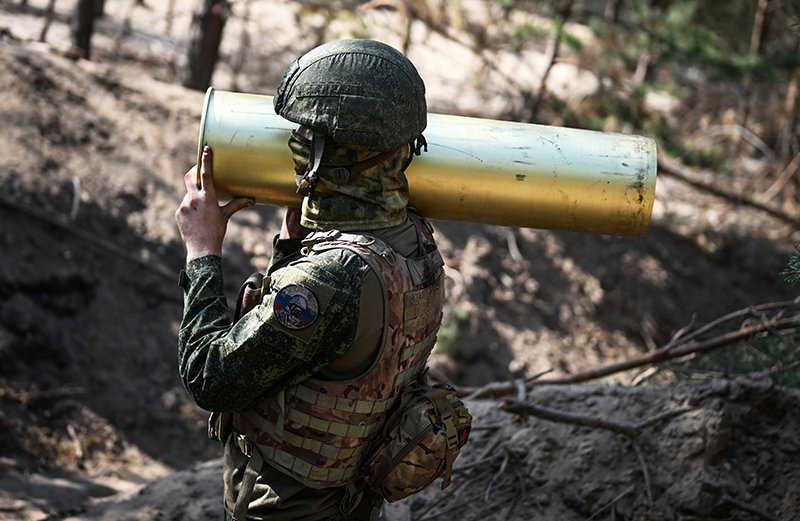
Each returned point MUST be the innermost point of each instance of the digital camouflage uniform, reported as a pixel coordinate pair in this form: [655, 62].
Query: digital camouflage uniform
[323, 319]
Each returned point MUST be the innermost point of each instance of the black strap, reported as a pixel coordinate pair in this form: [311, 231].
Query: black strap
[416, 145]
[308, 182]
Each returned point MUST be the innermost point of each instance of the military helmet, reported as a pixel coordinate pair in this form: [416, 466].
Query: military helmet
[359, 93]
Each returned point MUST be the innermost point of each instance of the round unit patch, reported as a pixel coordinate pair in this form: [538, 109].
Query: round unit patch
[295, 307]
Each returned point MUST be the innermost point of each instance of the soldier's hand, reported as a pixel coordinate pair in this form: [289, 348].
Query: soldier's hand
[202, 222]
[291, 227]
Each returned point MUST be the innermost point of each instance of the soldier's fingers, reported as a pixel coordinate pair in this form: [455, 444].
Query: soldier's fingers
[190, 180]
[234, 205]
[207, 171]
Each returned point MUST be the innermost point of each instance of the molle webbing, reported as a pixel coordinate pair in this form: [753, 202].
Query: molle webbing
[418, 309]
[371, 412]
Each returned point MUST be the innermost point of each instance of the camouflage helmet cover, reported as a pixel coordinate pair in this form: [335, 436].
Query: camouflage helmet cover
[360, 93]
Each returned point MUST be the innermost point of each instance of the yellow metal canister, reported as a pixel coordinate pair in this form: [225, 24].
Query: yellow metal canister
[475, 170]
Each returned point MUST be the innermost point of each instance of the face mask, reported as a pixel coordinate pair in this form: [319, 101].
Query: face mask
[354, 189]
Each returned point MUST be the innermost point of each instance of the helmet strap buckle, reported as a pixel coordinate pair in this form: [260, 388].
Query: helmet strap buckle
[415, 147]
[308, 182]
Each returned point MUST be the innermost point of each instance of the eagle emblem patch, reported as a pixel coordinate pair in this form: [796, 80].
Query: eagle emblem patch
[295, 307]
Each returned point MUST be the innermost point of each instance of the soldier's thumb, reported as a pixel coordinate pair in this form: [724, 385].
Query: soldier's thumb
[234, 205]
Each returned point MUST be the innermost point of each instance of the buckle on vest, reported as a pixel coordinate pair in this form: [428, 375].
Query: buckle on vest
[244, 445]
[317, 237]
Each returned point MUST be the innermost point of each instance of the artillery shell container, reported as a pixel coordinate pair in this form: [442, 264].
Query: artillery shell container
[475, 170]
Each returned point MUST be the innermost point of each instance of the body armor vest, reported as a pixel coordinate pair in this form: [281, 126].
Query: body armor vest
[318, 431]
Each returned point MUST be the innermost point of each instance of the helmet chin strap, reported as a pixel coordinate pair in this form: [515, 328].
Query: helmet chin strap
[415, 149]
[307, 183]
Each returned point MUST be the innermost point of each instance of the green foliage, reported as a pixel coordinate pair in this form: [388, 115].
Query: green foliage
[675, 36]
[710, 36]
[670, 141]
[774, 353]
[705, 158]
[792, 272]
[447, 341]
[529, 32]
[571, 42]
[506, 4]
[778, 356]
[534, 32]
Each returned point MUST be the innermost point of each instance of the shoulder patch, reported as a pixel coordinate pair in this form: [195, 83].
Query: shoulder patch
[295, 307]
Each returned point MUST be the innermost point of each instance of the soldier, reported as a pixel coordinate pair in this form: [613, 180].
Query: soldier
[351, 304]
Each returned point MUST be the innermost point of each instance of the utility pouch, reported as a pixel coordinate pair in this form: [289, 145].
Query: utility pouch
[421, 440]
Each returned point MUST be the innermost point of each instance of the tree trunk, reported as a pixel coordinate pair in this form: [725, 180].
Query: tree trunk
[787, 141]
[48, 20]
[169, 17]
[553, 51]
[757, 37]
[611, 11]
[244, 46]
[125, 28]
[82, 28]
[99, 8]
[790, 145]
[204, 40]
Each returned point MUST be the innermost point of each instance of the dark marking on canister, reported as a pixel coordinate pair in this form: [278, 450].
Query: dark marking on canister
[638, 185]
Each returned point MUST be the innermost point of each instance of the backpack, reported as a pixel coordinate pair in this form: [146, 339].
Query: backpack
[421, 439]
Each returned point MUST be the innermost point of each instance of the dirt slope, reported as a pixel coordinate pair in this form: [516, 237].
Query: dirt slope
[728, 452]
[91, 163]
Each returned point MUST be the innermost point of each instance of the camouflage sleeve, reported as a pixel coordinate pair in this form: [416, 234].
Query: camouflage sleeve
[308, 319]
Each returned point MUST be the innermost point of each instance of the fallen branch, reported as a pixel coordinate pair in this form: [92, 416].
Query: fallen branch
[783, 179]
[745, 507]
[645, 473]
[681, 345]
[669, 352]
[27, 397]
[632, 430]
[497, 475]
[613, 502]
[546, 413]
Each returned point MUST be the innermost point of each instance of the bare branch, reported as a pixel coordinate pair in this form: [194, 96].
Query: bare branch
[613, 502]
[632, 430]
[546, 413]
[738, 199]
[681, 345]
[745, 507]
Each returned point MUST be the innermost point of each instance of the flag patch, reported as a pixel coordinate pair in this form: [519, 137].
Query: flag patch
[295, 307]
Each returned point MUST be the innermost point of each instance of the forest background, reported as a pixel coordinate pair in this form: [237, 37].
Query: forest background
[563, 342]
